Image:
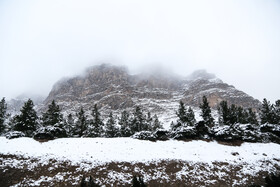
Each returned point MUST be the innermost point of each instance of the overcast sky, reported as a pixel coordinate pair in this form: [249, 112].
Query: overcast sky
[43, 41]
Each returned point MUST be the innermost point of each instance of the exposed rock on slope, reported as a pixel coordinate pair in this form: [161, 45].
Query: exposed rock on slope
[112, 87]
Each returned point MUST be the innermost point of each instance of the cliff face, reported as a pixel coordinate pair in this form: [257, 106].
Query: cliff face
[112, 88]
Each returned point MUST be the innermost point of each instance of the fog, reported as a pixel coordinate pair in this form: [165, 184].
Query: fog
[43, 41]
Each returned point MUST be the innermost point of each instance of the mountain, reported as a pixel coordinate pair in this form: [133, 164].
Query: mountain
[15, 104]
[113, 88]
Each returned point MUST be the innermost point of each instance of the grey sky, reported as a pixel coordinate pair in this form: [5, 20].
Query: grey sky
[43, 41]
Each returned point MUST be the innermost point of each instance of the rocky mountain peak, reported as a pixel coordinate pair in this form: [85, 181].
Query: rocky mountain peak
[114, 89]
[106, 73]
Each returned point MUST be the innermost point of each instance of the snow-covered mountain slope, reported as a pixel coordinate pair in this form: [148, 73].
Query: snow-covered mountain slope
[14, 105]
[114, 89]
[194, 160]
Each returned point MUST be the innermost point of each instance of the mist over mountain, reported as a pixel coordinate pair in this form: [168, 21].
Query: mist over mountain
[113, 88]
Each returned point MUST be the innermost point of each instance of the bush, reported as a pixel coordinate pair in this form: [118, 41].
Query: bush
[161, 134]
[242, 132]
[183, 133]
[271, 128]
[14, 134]
[144, 135]
[49, 132]
[202, 130]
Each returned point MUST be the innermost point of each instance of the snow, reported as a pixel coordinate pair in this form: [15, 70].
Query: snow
[103, 150]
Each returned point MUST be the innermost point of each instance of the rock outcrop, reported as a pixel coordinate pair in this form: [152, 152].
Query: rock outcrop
[113, 88]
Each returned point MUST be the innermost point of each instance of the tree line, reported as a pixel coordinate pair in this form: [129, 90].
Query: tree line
[228, 114]
[81, 125]
[78, 124]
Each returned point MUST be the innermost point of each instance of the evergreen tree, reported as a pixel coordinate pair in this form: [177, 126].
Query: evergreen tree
[241, 115]
[232, 114]
[96, 124]
[267, 115]
[277, 111]
[124, 123]
[81, 123]
[149, 121]
[252, 117]
[138, 121]
[224, 113]
[206, 112]
[156, 123]
[53, 115]
[3, 114]
[181, 113]
[110, 127]
[69, 125]
[26, 121]
[190, 117]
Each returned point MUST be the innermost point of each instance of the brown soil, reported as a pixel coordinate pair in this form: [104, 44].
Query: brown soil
[161, 173]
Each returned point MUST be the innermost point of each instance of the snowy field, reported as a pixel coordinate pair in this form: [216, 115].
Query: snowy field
[196, 159]
[103, 150]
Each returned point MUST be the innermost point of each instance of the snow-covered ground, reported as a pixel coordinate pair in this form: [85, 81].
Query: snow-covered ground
[195, 161]
[104, 150]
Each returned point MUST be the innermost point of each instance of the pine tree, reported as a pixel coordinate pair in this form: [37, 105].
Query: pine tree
[110, 127]
[96, 124]
[156, 123]
[190, 117]
[3, 114]
[53, 116]
[81, 123]
[224, 113]
[26, 121]
[232, 114]
[252, 117]
[277, 111]
[267, 115]
[138, 121]
[181, 113]
[241, 115]
[69, 125]
[206, 112]
[149, 121]
[124, 123]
